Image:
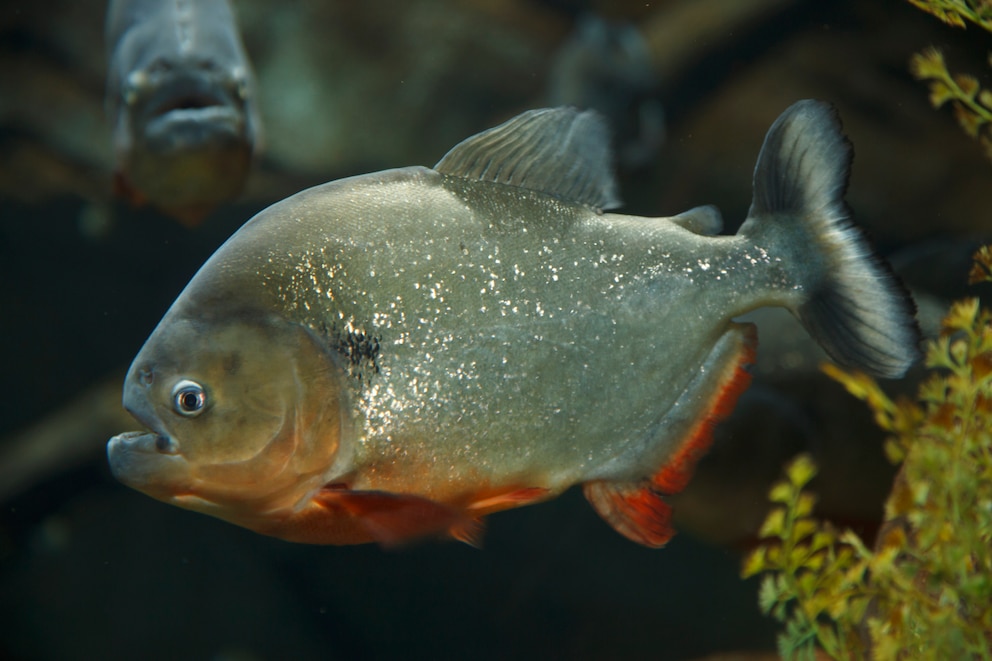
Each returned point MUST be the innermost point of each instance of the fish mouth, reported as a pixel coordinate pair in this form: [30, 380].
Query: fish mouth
[189, 89]
[147, 461]
[192, 108]
[183, 128]
[194, 99]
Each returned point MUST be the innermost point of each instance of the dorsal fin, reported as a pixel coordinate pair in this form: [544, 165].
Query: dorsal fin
[563, 152]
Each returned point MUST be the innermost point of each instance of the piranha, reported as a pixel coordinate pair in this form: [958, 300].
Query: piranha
[181, 96]
[398, 354]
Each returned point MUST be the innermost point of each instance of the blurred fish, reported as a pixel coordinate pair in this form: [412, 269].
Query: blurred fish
[400, 353]
[181, 95]
[606, 67]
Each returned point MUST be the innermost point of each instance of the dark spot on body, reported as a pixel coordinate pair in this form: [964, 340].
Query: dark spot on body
[360, 350]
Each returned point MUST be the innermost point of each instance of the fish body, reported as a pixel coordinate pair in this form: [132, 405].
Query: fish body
[181, 96]
[401, 353]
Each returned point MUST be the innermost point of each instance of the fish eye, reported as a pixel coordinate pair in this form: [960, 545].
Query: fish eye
[189, 398]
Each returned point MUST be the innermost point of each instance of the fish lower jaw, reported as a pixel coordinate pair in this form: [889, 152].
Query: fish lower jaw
[207, 125]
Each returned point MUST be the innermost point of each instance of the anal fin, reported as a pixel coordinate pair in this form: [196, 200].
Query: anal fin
[637, 509]
[730, 380]
[508, 499]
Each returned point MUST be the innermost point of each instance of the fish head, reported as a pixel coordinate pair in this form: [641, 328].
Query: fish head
[185, 136]
[243, 412]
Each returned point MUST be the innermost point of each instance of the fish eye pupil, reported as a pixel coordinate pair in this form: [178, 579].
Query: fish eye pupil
[189, 398]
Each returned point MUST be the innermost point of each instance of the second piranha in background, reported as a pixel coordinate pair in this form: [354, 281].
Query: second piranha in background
[606, 67]
[180, 93]
[401, 353]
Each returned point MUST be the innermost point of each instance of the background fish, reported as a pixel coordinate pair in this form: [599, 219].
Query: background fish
[398, 354]
[606, 66]
[180, 92]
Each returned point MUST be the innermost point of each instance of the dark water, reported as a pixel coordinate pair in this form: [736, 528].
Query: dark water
[90, 569]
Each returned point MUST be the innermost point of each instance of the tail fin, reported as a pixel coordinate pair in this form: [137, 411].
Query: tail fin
[854, 306]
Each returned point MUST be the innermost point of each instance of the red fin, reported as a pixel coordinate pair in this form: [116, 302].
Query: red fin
[678, 469]
[189, 216]
[124, 190]
[468, 531]
[635, 511]
[392, 519]
[510, 499]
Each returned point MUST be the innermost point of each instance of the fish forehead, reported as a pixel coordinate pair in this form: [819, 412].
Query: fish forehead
[499, 316]
[144, 30]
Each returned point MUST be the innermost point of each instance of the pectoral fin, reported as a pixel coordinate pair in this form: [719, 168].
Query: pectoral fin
[508, 499]
[338, 515]
[124, 190]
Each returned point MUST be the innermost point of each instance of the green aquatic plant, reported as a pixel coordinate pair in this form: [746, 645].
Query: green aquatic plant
[957, 12]
[972, 105]
[925, 590]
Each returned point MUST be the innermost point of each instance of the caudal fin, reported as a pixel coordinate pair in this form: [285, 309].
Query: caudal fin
[852, 305]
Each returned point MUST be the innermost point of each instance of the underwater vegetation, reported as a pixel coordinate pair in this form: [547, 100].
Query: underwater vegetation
[925, 590]
[972, 105]
[956, 12]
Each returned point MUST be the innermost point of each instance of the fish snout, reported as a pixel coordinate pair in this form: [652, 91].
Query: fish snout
[145, 460]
